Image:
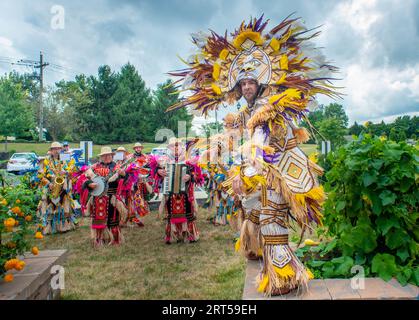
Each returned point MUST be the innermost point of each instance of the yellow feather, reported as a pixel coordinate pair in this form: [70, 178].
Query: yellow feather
[282, 79]
[216, 89]
[283, 62]
[274, 44]
[316, 193]
[242, 37]
[237, 245]
[292, 93]
[216, 71]
[263, 284]
[274, 98]
[310, 274]
[285, 272]
[223, 54]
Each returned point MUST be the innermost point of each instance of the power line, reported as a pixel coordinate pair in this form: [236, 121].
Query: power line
[35, 65]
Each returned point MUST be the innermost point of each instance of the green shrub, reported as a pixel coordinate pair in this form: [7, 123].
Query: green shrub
[371, 212]
[20, 204]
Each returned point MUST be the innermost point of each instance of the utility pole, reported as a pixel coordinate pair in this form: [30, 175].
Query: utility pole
[41, 65]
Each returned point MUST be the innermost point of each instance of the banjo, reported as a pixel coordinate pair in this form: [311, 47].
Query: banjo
[101, 183]
[100, 186]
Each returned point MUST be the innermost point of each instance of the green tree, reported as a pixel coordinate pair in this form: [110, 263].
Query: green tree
[102, 89]
[329, 123]
[163, 97]
[132, 108]
[55, 121]
[79, 110]
[393, 135]
[212, 128]
[332, 129]
[336, 111]
[29, 83]
[15, 113]
[355, 129]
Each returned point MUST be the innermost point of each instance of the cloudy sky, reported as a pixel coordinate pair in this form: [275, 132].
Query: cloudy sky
[374, 42]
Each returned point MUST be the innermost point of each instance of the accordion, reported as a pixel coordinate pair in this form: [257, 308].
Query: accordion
[173, 182]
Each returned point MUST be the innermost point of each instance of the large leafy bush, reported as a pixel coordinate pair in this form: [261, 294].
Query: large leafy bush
[371, 213]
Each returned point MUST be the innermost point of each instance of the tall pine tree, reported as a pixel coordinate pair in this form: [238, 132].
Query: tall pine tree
[164, 97]
[131, 107]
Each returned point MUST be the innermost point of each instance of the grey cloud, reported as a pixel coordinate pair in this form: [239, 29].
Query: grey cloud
[117, 30]
[149, 34]
[396, 35]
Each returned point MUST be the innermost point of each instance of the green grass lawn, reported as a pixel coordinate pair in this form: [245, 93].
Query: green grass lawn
[42, 148]
[146, 268]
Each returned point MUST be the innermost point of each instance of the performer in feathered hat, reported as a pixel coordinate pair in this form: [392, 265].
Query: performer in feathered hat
[278, 72]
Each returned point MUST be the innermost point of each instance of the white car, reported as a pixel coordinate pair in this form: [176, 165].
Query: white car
[159, 151]
[21, 162]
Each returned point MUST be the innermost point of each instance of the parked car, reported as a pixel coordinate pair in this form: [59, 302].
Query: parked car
[22, 161]
[159, 151]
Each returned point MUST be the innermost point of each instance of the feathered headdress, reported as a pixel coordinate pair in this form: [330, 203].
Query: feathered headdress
[282, 58]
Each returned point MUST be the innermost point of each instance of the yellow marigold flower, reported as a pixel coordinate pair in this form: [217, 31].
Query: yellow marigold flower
[313, 157]
[18, 201]
[15, 210]
[4, 202]
[10, 264]
[20, 265]
[35, 251]
[28, 218]
[39, 235]
[9, 223]
[309, 242]
[8, 278]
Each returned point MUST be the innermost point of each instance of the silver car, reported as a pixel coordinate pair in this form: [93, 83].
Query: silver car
[21, 161]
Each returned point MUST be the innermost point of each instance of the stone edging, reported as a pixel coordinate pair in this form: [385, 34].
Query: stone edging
[33, 282]
[334, 289]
